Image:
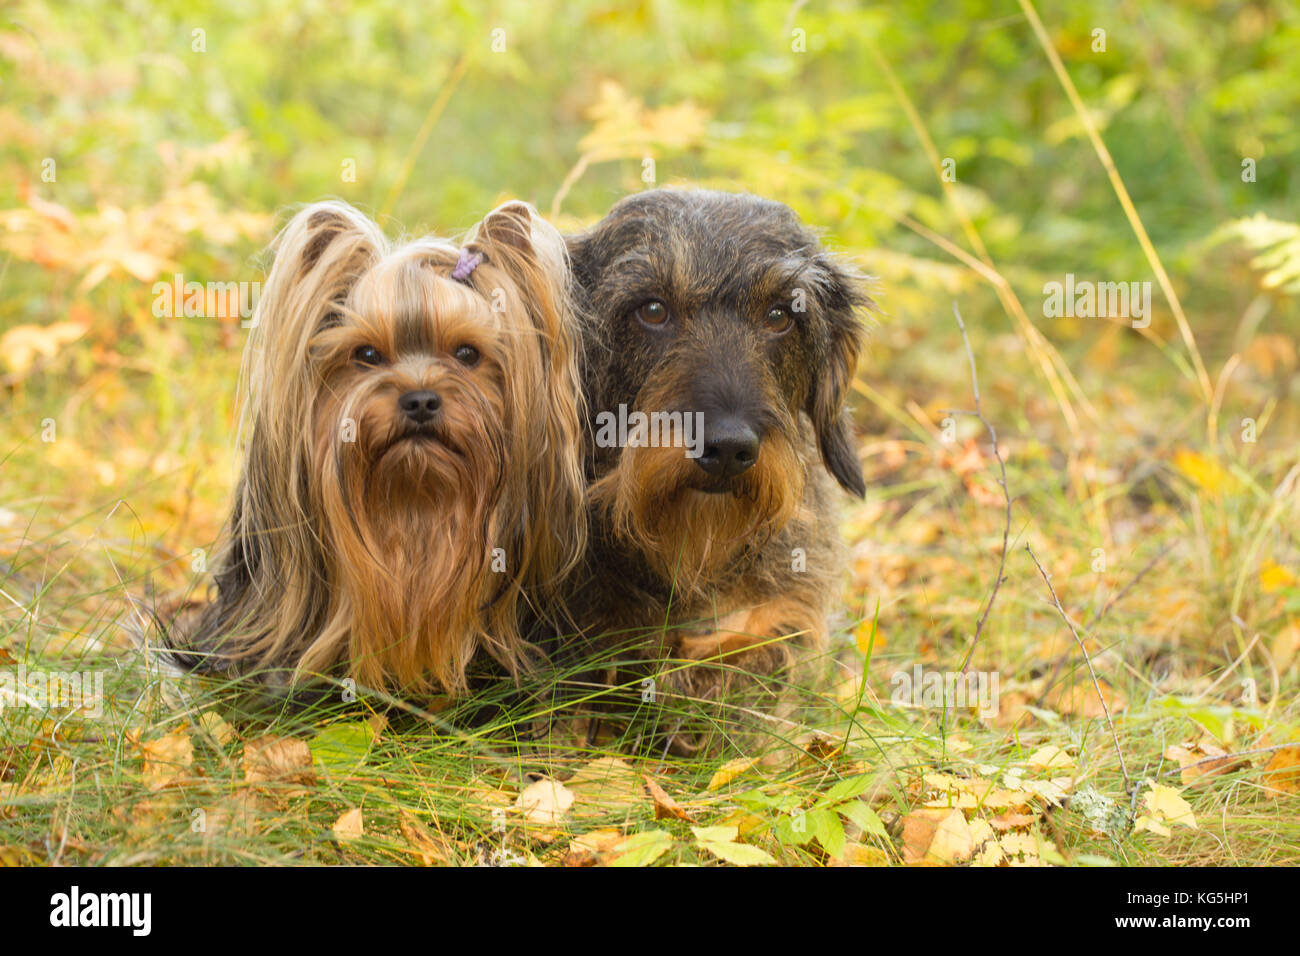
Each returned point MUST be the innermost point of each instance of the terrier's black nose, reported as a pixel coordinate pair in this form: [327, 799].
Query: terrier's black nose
[420, 407]
[730, 447]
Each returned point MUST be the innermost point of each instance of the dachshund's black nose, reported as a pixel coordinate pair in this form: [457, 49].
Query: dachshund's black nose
[730, 447]
[420, 407]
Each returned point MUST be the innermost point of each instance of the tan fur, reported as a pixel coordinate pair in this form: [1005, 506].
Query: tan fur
[354, 547]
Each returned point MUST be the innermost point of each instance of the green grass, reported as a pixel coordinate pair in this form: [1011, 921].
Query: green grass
[442, 786]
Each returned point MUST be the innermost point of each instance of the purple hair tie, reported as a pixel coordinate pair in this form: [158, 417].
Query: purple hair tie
[465, 264]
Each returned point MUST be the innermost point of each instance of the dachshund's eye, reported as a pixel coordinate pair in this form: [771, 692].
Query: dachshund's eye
[367, 355]
[653, 314]
[467, 355]
[778, 320]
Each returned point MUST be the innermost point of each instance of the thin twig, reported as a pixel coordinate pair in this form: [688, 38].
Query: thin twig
[1006, 494]
[1098, 615]
[1229, 757]
[1128, 784]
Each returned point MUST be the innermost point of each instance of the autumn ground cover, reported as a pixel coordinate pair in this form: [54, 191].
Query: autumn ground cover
[1124, 607]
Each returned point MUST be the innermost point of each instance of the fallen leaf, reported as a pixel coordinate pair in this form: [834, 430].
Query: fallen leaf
[606, 783]
[212, 724]
[544, 802]
[665, 806]
[729, 771]
[1282, 774]
[279, 760]
[421, 841]
[1145, 822]
[1166, 805]
[340, 748]
[1048, 758]
[234, 818]
[1013, 708]
[1273, 577]
[1202, 758]
[1012, 821]
[855, 854]
[641, 849]
[1079, 699]
[349, 826]
[721, 842]
[941, 836]
[23, 343]
[1021, 848]
[592, 848]
[1205, 472]
[167, 759]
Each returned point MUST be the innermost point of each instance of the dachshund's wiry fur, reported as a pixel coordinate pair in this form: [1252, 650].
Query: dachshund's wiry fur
[735, 567]
[363, 542]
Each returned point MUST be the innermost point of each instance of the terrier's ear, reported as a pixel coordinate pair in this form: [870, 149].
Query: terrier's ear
[547, 420]
[326, 236]
[510, 224]
[318, 256]
[515, 238]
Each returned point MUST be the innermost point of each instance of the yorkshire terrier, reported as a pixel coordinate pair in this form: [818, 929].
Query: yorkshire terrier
[412, 484]
[726, 308]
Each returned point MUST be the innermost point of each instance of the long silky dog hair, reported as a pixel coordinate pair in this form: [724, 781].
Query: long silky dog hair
[412, 482]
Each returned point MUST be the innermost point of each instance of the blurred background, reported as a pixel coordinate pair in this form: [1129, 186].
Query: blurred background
[933, 142]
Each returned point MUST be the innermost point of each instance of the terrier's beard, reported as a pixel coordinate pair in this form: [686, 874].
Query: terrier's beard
[408, 540]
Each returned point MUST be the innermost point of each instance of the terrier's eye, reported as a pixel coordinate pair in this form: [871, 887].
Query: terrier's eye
[653, 313]
[778, 320]
[467, 355]
[367, 355]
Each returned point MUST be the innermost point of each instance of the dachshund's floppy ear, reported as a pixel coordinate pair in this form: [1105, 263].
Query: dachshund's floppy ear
[842, 295]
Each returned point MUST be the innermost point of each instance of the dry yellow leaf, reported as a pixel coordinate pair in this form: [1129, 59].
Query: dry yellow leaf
[730, 771]
[544, 802]
[940, 836]
[990, 854]
[1282, 774]
[855, 854]
[279, 760]
[214, 726]
[422, 843]
[1145, 822]
[594, 847]
[1166, 805]
[349, 825]
[1049, 758]
[607, 782]
[167, 759]
[23, 343]
[1202, 758]
[1079, 698]
[1204, 472]
[665, 806]
[980, 831]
